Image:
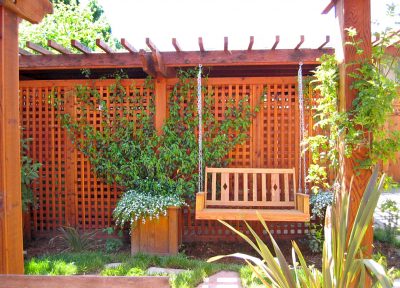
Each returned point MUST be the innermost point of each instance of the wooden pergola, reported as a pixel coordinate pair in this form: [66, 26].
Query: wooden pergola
[53, 62]
[162, 65]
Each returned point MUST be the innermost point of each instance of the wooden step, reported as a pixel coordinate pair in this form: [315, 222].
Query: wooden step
[279, 215]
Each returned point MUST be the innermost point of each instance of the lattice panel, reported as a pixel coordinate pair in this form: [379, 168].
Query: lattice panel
[40, 122]
[95, 200]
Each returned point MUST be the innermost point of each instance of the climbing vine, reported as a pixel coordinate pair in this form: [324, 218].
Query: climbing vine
[127, 149]
[364, 124]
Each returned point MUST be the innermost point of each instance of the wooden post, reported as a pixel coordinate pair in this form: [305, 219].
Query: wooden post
[70, 166]
[11, 261]
[356, 14]
[160, 103]
[11, 257]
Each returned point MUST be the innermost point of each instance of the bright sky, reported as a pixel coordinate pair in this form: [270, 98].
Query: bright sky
[161, 20]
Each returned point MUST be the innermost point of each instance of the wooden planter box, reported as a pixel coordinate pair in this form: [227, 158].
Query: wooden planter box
[159, 236]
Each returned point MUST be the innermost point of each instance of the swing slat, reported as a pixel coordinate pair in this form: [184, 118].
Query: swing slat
[229, 206]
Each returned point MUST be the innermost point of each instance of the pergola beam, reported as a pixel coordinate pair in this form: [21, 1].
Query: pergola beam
[80, 61]
[147, 63]
[58, 47]
[79, 46]
[103, 46]
[201, 45]
[173, 59]
[32, 11]
[327, 39]
[24, 52]
[300, 43]
[37, 48]
[226, 47]
[277, 39]
[251, 43]
[158, 61]
[128, 46]
[176, 45]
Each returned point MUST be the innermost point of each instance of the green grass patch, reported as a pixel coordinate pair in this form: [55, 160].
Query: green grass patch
[93, 263]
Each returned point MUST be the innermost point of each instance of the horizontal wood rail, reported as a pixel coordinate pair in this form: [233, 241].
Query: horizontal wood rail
[28, 281]
[236, 194]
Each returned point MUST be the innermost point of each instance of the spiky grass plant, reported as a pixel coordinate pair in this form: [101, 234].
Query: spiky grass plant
[343, 264]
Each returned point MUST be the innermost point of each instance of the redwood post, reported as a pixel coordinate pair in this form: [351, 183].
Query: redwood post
[11, 247]
[160, 103]
[356, 14]
[11, 239]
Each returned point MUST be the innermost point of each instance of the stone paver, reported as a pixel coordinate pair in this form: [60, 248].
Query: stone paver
[112, 265]
[222, 279]
[159, 270]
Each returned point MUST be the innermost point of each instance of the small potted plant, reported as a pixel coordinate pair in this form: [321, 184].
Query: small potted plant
[151, 209]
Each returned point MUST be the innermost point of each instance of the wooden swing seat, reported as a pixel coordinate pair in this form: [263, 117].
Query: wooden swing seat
[238, 193]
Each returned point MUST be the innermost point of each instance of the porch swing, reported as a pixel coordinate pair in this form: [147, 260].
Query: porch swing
[237, 193]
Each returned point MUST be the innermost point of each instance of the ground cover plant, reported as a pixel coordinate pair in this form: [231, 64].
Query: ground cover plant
[93, 262]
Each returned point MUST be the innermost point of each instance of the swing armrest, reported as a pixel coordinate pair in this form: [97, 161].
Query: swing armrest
[200, 201]
[303, 203]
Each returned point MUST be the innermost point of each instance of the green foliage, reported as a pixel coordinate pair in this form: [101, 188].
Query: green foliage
[74, 240]
[69, 20]
[46, 267]
[158, 170]
[29, 173]
[113, 245]
[391, 223]
[343, 264]
[364, 125]
[84, 262]
[196, 270]
[137, 265]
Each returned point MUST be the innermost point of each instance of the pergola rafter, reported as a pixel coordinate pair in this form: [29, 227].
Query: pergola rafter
[163, 64]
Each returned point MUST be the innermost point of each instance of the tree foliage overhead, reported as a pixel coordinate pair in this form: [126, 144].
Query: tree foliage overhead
[70, 20]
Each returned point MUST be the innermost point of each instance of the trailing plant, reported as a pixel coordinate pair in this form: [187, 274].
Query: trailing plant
[74, 240]
[363, 126]
[159, 168]
[29, 173]
[343, 264]
[139, 204]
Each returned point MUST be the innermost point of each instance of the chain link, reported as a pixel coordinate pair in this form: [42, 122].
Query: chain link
[302, 158]
[200, 116]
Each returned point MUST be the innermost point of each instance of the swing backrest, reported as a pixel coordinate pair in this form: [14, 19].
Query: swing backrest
[250, 187]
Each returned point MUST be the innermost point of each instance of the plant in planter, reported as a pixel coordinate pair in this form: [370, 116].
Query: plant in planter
[156, 169]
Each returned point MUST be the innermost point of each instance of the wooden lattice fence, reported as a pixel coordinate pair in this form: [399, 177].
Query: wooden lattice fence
[69, 194]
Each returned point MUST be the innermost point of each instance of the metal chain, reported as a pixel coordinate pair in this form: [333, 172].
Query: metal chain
[302, 158]
[200, 115]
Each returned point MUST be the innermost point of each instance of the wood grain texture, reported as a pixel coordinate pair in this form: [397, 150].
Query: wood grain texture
[171, 59]
[281, 215]
[356, 14]
[28, 281]
[11, 257]
[32, 11]
[157, 236]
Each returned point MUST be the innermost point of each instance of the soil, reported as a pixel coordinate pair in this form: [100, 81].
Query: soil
[205, 250]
